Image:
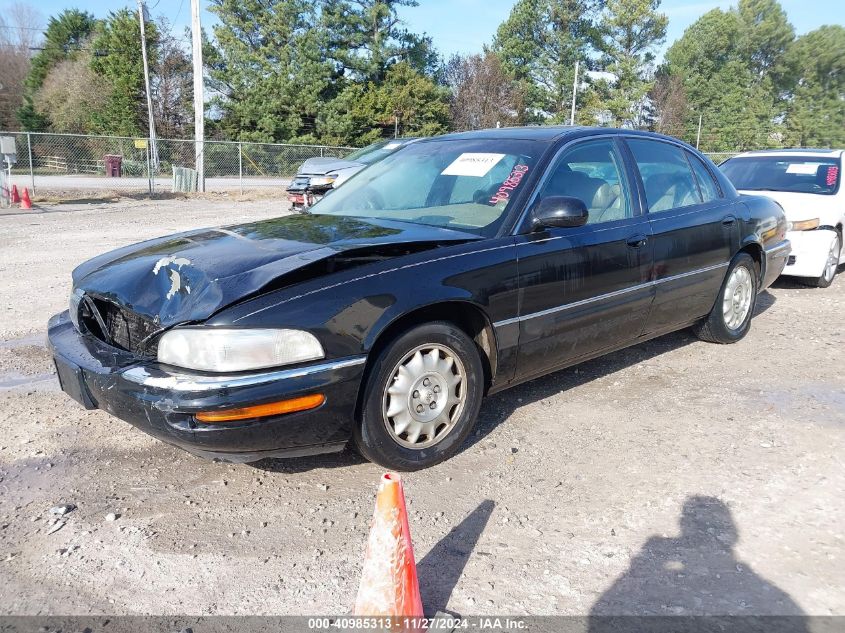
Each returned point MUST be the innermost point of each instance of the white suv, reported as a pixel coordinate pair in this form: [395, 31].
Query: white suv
[806, 183]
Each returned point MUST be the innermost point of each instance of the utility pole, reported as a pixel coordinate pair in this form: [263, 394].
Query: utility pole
[574, 93]
[142, 10]
[396, 124]
[698, 136]
[199, 104]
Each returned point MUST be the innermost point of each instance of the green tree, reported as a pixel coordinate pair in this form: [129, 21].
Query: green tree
[815, 114]
[270, 67]
[629, 30]
[406, 99]
[712, 60]
[766, 35]
[366, 37]
[539, 43]
[117, 59]
[63, 40]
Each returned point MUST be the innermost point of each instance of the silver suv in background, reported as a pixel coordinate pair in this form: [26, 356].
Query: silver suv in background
[316, 176]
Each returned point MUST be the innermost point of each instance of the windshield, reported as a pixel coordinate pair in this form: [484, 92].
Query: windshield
[458, 184]
[801, 174]
[375, 152]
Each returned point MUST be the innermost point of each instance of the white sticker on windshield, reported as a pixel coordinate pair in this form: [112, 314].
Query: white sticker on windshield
[802, 168]
[472, 164]
[392, 145]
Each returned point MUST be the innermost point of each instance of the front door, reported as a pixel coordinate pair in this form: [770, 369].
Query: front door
[584, 289]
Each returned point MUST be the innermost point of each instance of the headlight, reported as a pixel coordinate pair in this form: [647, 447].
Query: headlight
[73, 306]
[321, 181]
[229, 350]
[803, 225]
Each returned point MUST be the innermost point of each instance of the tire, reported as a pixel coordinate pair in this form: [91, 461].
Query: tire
[831, 266]
[739, 302]
[418, 416]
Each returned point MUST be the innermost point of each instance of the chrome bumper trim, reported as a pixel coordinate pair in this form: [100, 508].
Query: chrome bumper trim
[182, 382]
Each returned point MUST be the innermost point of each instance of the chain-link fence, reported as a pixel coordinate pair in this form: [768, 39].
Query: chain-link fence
[720, 157]
[74, 165]
[68, 166]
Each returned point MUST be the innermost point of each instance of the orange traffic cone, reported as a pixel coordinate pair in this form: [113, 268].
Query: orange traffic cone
[26, 203]
[16, 198]
[389, 585]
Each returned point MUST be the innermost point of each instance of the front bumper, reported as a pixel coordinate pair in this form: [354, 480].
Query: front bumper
[810, 250]
[162, 402]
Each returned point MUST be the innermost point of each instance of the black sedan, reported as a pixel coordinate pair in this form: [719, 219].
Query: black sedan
[456, 267]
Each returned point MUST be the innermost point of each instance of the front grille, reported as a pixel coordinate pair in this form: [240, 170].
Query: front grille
[118, 326]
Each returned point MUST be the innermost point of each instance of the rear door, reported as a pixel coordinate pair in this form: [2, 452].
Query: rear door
[694, 229]
[584, 289]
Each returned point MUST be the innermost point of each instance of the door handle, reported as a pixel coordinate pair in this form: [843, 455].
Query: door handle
[637, 241]
[729, 221]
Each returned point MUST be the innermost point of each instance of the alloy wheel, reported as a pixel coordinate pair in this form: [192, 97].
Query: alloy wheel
[425, 396]
[737, 298]
[832, 261]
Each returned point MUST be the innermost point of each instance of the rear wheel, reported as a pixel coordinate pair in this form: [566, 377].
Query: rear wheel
[831, 265]
[421, 399]
[730, 318]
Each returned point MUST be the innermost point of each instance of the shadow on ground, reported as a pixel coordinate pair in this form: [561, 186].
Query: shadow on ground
[347, 457]
[695, 574]
[498, 408]
[441, 569]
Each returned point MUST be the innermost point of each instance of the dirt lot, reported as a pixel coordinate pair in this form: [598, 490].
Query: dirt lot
[673, 477]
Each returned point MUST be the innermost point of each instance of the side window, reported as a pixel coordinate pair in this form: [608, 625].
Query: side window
[668, 181]
[709, 189]
[592, 172]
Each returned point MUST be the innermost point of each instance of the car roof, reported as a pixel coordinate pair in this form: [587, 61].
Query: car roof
[545, 133]
[798, 151]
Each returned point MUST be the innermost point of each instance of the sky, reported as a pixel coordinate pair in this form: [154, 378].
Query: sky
[464, 26]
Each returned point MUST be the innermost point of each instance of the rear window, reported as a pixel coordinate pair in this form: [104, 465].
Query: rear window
[668, 181]
[800, 174]
[375, 152]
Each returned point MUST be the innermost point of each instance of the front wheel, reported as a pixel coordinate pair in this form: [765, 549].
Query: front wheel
[730, 318]
[831, 265]
[421, 398]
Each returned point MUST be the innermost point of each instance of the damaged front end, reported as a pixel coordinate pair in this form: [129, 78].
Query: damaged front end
[165, 402]
[107, 346]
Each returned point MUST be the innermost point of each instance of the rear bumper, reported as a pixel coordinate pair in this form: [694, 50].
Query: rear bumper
[162, 402]
[776, 258]
[810, 250]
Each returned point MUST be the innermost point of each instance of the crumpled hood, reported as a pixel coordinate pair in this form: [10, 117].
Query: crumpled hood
[189, 276]
[320, 166]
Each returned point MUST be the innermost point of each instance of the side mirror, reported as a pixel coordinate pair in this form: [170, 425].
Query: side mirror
[560, 212]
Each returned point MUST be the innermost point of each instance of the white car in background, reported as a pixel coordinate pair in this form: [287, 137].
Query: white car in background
[806, 183]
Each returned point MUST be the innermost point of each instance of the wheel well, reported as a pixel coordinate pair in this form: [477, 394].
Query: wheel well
[756, 252]
[468, 317]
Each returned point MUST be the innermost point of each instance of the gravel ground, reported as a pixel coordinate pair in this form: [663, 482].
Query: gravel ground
[673, 477]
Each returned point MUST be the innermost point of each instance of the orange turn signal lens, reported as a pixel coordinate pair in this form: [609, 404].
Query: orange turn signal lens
[805, 225]
[303, 403]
